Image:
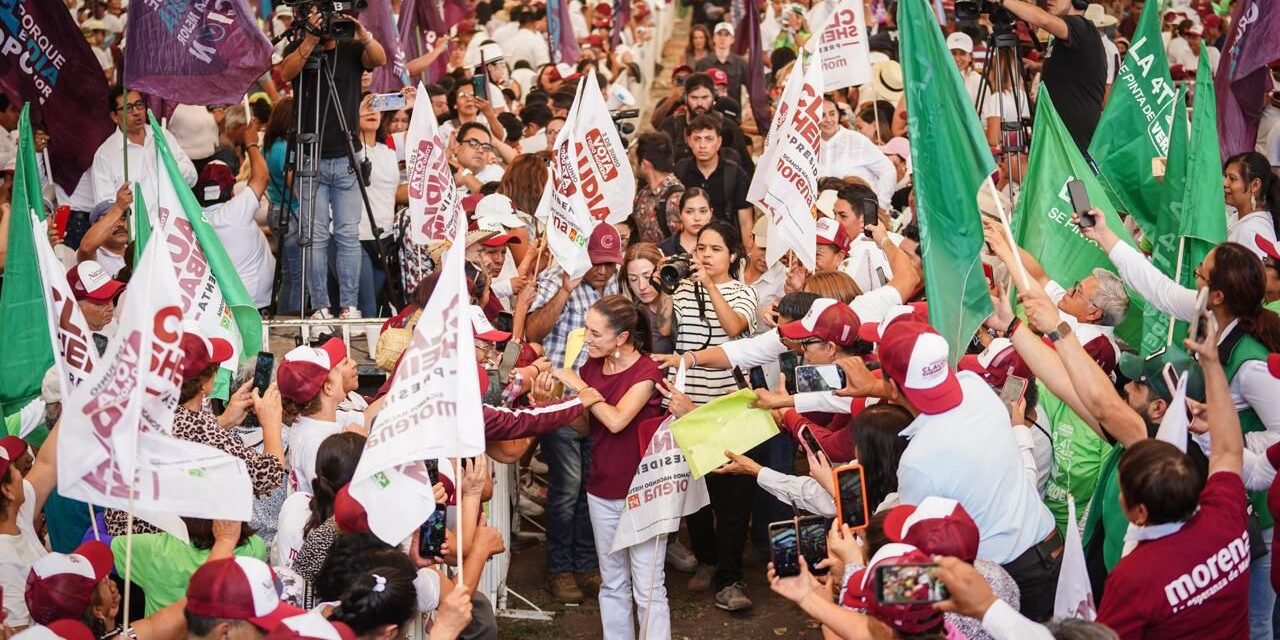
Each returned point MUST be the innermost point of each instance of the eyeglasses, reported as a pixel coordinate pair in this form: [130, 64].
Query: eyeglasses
[485, 348]
[466, 95]
[138, 105]
[1199, 275]
[1077, 290]
[475, 143]
[805, 344]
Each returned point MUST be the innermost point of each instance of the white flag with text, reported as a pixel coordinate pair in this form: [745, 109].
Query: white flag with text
[433, 196]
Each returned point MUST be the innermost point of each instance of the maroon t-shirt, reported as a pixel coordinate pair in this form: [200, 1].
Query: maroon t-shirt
[1193, 584]
[615, 456]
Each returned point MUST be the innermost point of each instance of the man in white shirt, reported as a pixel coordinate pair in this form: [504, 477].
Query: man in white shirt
[233, 219]
[848, 153]
[108, 168]
[529, 42]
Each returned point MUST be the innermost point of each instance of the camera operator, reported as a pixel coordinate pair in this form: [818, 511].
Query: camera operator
[336, 187]
[1075, 65]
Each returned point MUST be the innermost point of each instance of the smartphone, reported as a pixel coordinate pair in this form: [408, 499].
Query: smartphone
[909, 584]
[262, 371]
[1197, 329]
[784, 548]
[493, 394]
[851, 498]
[433, 470]
[388, 101]
[1080, 202]
[881, 278]
[810, 441]
[819, 377]
[60, 218]
[1014, 388]
[870, 215]
[813, 541]
[480, 83]
[431, 535]
[788, 362]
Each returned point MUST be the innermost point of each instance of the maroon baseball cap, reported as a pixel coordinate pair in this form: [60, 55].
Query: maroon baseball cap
[684, 68]
[913, 312]
[348, 513]
[11, 448]
[831, 233]
[57, 630]
[311, 626]
[238, 588]
[605, 246]
[198, 352]
[996, 363]
[89, 281]
[1268, 247]
[914, 356]
[718, 76]
[304, 369]
[214, 184]
[860, 592]
[469, 203]
[1273, 364]
[828, 319]
[937, 526]
[60, 585]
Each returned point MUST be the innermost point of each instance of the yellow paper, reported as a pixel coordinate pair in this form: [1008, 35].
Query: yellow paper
[573, 346]
[727, 423]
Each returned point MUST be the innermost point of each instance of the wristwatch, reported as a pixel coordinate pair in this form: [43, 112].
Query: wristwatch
[1061, 332]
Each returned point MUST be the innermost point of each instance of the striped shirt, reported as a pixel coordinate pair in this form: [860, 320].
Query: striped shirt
[698, 330]
[574, 315]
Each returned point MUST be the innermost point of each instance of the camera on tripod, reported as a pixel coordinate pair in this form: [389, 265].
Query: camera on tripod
[337, 17]
[968, 12]
[619, 118]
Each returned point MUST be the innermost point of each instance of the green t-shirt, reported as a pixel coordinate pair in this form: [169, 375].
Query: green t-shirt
[163, 564]
[1077, 456]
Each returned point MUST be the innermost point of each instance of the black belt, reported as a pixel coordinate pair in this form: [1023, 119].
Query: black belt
[1046, 551]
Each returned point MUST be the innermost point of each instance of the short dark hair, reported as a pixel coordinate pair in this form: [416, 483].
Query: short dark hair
[732, 241]
[1155, 474]
[796, 304]
[201, 626]
[859, 196]
[562, 99]
[699, 79]
[116, 92]
[471, 126]
[537, 113]
[434, 90]
[702, 123]
[512, 126]
[656, 147]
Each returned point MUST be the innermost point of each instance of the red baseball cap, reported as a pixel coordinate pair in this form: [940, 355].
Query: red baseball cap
[11, 449]
[913, 312]
[500, 236]
[89, 281]
[214, 184]
[831, 233]
[828, 319]
[311, 626]
[914, 356]
[60, 585]
[684, 68]
[58, 630]
[238, 588]
[469, 203]
[605, 245]
[304, 369]
[198, 352]
[483, 329]
[1268, 247]
[718, 76]
[937, 526]
[348, 513]
[860, 592]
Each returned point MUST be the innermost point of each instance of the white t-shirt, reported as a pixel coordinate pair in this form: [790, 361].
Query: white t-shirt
[526, 44]
[17, 554]
[1005, 106]
[384, 178]
[294, 514]
[304, 442]
[1245, 230]
[112, 263]
[245, 243]
[104, 58]
[872, 306]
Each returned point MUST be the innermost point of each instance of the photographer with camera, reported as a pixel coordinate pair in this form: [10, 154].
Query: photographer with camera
[336, 196]
[1075, 65]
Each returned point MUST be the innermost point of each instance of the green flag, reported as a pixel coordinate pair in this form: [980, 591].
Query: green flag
[951, 159]
[141, 224]
[1134, 129]
[24, 322]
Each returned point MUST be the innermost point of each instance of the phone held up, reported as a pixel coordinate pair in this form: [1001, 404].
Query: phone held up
[1080, 202]
[851, 496]
[909, 583]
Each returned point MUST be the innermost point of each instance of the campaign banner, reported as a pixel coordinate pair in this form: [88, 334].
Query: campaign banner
[588, 157]
[75, 354]
[46, 61]
[662, 491]
[786, 181]
[433, 197]
[842, 47]
[569, 226]
[195, 52]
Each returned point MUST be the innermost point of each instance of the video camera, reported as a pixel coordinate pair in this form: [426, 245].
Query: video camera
[625, 129]
[337, 17]
[968, 12]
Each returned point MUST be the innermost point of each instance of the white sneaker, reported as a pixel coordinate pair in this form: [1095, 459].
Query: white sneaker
[528, 507]
[350, 313]
[316, 330]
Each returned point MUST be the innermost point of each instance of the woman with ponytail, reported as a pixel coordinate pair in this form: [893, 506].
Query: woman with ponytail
[305, 513]
[620, 382]
[1252, 194]
[379, 603]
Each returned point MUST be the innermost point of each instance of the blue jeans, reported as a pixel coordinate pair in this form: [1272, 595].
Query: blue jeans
[570, 545]
[289, 299]
[1262, 599]
[337, 201]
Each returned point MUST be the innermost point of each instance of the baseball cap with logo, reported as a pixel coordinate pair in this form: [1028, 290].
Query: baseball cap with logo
[57, 630]
[936, 526]
[860, 592]
[915, 357]
[996, 363]
[913, 312]
[304, 369]
[605, 246]
[718, 76]
[1150, 371]
[89, 281]
[60, 585]
[832, 234]
[827, 319]
[483, 329]
[496, 206]
[311, 626]
[960, 41]
[198, 352]
[238, 588]
[500, 236]
[724, 27]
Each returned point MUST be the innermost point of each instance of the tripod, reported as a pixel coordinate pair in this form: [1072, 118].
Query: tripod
[1002, 49]
[303, 166]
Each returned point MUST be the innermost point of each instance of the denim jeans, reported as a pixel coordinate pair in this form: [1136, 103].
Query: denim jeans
[1262, 599]
[337, 202]
[289, 296]
[570, 545]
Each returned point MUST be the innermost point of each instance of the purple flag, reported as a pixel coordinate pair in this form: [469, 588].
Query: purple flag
[750, 47]
[1242, 80]
[560, 33]
[48, 63]
[621, 18]
[394, 74]
[194, 52]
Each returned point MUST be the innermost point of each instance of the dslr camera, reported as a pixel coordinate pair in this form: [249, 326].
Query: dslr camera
[337, 17]
[675, 269]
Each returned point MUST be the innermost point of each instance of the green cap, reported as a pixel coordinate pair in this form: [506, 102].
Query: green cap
[1149, 371]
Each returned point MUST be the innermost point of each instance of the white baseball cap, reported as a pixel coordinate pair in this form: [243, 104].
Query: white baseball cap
[960, 40]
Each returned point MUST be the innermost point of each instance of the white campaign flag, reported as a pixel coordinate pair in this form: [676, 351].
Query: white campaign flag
[588, 157]
[569, 226]
[785, 184]
[841, 44]
[431, 412]
[1173, 427]
[662, 491]
[433, 196]
[75, 353]
[1074, 598]
[116, 447]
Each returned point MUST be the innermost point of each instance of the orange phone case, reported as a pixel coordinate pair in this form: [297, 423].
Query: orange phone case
[835, 482]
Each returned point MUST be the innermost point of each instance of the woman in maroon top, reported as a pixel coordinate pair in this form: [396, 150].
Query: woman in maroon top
[618, 369]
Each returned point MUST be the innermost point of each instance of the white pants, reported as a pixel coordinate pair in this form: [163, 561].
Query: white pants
[632, 573]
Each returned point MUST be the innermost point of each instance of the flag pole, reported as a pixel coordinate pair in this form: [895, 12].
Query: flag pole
[459, 472]
[1177, 277]
[128, 562]
[93, 520]
[124, 131]
[1008, 230]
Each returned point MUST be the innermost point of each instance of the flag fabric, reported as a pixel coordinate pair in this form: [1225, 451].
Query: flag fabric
[1136, 123]
[662, 491]
[561, 41]
[46, 61]
[728, 423]
[951, 159]
[749, 45]
[141, 221]
[842, 44]
[195, 52]
[416, 38]
[73, 346]
[433, 197]
[1074, 597]
[588, 156]
[214, 296]
[1242, 77]
[1175, 425]
[621, 18]
[24, 333]
[785, 185]
[432, 410]
[394, 74]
